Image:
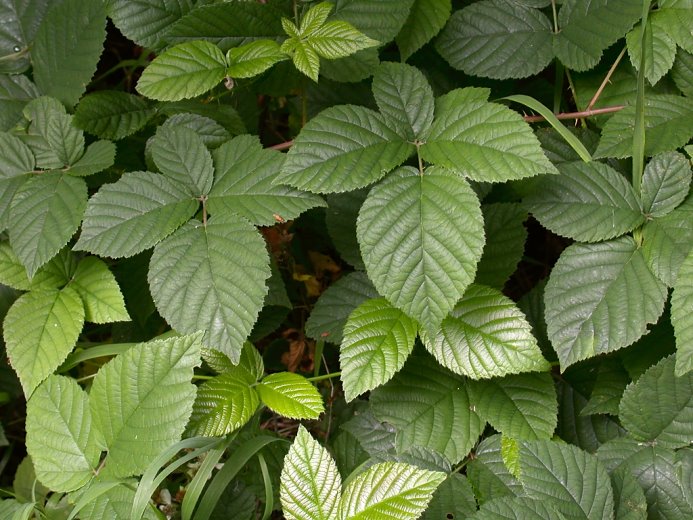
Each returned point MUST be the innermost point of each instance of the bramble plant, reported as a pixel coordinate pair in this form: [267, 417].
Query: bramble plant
[348, 260]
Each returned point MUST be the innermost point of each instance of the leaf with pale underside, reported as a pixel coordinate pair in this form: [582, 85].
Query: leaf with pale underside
[291, 395]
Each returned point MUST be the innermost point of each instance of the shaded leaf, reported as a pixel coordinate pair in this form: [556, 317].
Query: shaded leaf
[426, 19]
[112, 114]
[146, 21]
[505, 243]
[682, 319]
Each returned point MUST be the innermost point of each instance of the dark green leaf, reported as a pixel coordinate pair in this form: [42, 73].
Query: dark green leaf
[665, 183]
[181, 155]
[380, 20]
[112, 114]
[682, 318]
[659, 47]
[426, 19]
[488, 474]
[340, 218]
[146, 21]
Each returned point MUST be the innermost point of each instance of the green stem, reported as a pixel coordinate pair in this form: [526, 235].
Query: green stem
[324, 376]
[317, 358]
[558, 87]
[639, 131]
[555, 16]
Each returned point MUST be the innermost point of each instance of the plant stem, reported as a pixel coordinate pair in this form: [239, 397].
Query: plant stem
[573, 91]
[324, 376]
[607, 78]
[555, 16]
[577, 115]
[639, 131]
[282, 146]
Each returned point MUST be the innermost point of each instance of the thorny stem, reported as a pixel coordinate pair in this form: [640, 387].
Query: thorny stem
[282, 146]
[577, 115]
[573, 91]
[607, 79]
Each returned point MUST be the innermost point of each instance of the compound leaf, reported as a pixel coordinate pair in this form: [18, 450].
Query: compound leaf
[291, 395]
[96, 285]
[253, 58]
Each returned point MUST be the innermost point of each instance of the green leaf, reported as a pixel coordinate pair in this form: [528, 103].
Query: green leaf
[184, 71]
[389, 490]
[15, 92]
[211, 278]
[586, 30]
[421, 237]
[16, 157]
[629, 498]
[67, 48]
[334, 306]
[521, 406]
[134, 214]
[253, 58]
[404, 96]
[53, 275]
[589, 202]
[517, 508]
[340, 219]
[112, 114]
[505, 243]
[682, 319]
[601, 280]
[338, 39]
[354, 68]
[485, 336]
[609, 384]
[665, 183]
[380, 20]
[378, 339]
[40, 330]
[668, 126]
[304, 57]
[660, 48]
[115, 504]
[314, 18]
[341, 149]
[567, 478]
[485, 141]
[310, 483]
[60, 438]
[453, 497]
[223, 404]
[488, 474]
[212, 133]
[146, 21]
[658, 407]
[140, 416]
[497, 39]
[96, 285]
[426, 19]
[20, 22]
[244, 184]
[291, 395]
[682, 72]
[182, 156]
[430, 407]
[97, 157]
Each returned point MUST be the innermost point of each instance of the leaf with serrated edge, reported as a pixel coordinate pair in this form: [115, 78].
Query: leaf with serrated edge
[485, 141]
[98, 288]
[253, 58]
[244, 184]
[389, 489]
[486, 335]
[426, 19]
[589, 202]
[521, 406]
[97, 157]
[665, 183]
[40, 330]
[563, 476]
[430, 407]
[112, 114]
[600, 298]
[46, 211]
[223, 404]
[183, 71]
[488, 474]
[682, 318]
[305, 59]
[381, 20]
[212, 278]
[16, 157]
[181, 155]
[310, 483]
[404, 95]
[456, 495]
[658, 407]
[421, 237]
[497, 39]
[13, 273]
[341, 149]
[378, 339]
[629, 498]
[60, 438]
[291, 395]
[338, 39]
[134, 214]
[146, 21]
[141, 416]
[516, 508]
[660, 48]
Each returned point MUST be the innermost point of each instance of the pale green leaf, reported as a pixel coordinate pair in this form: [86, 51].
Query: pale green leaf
[141, 416]
[517, 508]
[25, 485]
[314, 18]
[338, 39]
[485, 141]
[566, 478]
[341, 149]
[430, 407]
[184, 71]
[60, 436]
[253, 58]
[310, 483]
[16, 157]
[381, 20]
[510, 453]
[115, 503]
[421, 237]
[658, 407]
[600, 298]
[211, 278]
[660, 48]
[589, 202]
[304, 57]
[665, 183]
[378, 339]
[181, 155]
[13, 273]
[134, 214]
[96, 285]
[668, 126]
[291, 395]
[40, 330]
[334, 306]
[488, 474]
[97, 157]
[389, 490]
[112, 114]
[497, 39]
[453, 497]
[244, 184]
[682, 318]
[521, 406]
[146, 21]
[67, 48]
[485, 336]
[404, 96]
[588, 28]
[426, 19]
[223, 404]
